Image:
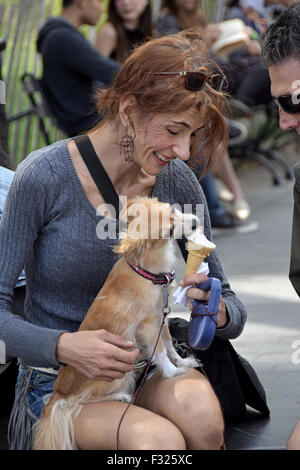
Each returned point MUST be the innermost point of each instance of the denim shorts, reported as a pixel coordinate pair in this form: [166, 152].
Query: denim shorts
[32, 390]
[39, 387]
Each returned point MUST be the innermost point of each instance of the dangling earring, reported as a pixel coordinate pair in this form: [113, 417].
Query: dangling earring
[126, 147]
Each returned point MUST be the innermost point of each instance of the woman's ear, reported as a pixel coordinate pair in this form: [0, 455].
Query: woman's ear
[127, 106]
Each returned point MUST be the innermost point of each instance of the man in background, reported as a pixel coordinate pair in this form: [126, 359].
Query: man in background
[281, 54]
[72, 68]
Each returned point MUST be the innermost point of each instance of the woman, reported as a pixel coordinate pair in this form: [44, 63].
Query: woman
[177, 15]
[52, 218]
[129, 23]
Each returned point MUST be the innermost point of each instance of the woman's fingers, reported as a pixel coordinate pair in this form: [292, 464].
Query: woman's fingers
[97, 354]
[191, 279]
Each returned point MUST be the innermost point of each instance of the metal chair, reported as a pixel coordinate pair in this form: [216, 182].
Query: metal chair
[253, 149]
[39, 105]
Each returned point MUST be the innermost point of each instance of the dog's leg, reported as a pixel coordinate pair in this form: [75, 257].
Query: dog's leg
[172, 353]
[166, 367]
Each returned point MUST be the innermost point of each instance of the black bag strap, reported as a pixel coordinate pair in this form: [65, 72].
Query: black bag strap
[97, 171]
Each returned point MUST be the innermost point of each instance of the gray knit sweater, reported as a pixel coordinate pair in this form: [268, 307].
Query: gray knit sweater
[49, 226]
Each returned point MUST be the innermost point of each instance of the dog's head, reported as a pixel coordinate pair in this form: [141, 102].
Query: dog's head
[151, 224]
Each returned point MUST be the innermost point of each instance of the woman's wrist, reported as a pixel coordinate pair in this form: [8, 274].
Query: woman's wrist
[63, 348]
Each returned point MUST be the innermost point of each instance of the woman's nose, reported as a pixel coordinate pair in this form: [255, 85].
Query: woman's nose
[182, 149]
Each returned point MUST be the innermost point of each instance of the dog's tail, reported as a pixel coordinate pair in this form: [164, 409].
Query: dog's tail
[55, 429]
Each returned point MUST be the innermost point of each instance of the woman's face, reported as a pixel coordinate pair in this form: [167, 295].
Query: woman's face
[130, 10]
[164, 137]
[187, 5]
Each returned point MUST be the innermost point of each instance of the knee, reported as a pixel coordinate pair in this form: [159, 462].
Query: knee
[209, 434]
[162, 435]
[203, 418]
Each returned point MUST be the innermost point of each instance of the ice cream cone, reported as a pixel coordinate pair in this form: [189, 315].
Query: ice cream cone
[198, 249]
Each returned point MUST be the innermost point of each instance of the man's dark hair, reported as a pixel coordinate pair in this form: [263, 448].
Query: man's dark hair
[67, 3]
[281, 40]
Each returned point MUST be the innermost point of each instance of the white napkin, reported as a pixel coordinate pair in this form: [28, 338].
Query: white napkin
[180, 293]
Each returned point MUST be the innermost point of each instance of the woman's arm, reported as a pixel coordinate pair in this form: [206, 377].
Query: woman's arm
[28, 209]
[106, 42]
[24, 214]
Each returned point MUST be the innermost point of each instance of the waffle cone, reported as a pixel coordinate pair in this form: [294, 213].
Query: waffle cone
[195, 257]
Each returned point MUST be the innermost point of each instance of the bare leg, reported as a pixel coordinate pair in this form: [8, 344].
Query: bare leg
[225, 172]
[189, 402]
[97, 424]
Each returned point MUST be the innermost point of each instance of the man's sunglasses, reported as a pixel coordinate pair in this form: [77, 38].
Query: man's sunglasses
[195, 81]
[288, 104]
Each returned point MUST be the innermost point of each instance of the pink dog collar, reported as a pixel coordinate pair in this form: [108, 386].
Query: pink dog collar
[163, 279]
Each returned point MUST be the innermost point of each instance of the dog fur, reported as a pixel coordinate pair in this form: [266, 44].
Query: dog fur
[127, 305]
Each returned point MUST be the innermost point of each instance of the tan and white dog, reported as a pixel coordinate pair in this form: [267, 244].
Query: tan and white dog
[129, 305]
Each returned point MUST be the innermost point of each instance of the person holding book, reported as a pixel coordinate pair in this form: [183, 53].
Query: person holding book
[177, 15]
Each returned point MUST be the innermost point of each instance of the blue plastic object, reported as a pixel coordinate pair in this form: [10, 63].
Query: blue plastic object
[203, 318]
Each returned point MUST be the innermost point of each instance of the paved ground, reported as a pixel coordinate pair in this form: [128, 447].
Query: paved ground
[257, 267]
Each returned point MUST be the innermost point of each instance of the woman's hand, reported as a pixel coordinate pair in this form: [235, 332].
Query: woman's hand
[195, 293]
[98, 355]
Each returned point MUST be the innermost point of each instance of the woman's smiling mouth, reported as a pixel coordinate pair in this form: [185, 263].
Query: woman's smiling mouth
[161, 158]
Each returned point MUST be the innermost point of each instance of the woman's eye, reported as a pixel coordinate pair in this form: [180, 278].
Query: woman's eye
[172, 132]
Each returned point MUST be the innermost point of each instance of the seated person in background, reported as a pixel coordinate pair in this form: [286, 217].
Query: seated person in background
[72, 68]
[177, 15]
[251, 12]
[129, 23]
[246, 76]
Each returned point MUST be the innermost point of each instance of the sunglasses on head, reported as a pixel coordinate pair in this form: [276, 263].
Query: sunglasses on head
[195, 81]
[288, 103]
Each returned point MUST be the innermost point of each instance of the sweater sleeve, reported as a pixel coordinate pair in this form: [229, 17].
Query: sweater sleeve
[80, 56]
[190, 192]
[26, 210]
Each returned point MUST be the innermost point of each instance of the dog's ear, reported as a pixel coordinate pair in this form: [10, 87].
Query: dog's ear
[128, 245]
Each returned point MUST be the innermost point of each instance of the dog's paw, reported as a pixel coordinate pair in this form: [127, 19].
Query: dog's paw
[187, 362]
[125, 397]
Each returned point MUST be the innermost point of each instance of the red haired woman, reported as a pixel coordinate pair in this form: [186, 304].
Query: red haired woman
[160, 101]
